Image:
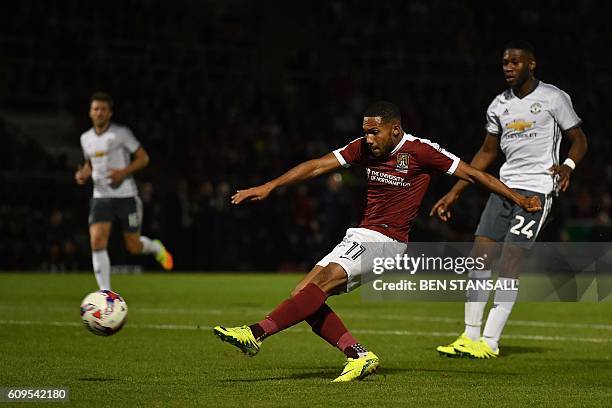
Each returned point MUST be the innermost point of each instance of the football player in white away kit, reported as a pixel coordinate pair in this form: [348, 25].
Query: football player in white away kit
[107, 148]
[526, 121]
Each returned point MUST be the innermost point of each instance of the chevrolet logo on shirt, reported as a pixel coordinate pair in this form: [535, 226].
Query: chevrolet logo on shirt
[99, 154]
[520, 125]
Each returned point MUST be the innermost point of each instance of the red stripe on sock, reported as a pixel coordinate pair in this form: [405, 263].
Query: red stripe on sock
[269, 326]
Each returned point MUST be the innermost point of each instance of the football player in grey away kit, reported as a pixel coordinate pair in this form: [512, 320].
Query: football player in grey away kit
[107, 148]
[526, 121]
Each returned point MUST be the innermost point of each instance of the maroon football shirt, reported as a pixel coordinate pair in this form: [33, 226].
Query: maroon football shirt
[398, 182]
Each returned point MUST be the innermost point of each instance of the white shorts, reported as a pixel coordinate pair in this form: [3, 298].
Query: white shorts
[357, 251]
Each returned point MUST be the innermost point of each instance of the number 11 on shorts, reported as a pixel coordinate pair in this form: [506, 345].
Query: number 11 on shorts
[360, 249]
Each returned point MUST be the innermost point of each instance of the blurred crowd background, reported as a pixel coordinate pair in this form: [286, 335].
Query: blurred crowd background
[228, 94]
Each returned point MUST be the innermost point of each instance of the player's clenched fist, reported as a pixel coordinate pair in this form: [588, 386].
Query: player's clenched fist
[563, 173]
[117, 175]
[252, 194]
[531, 204]
[82, 174]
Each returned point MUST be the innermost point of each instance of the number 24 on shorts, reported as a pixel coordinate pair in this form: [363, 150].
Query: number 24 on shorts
[525, 230]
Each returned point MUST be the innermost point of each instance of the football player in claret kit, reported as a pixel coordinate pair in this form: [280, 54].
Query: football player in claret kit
[527, 122]
[108, 148]
[398, 167]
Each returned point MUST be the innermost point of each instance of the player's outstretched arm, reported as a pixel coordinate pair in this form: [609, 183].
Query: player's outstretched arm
[576, 152]
[139, 162]
[471, 175]
[485, 156]
[304, 171]
[83, 173]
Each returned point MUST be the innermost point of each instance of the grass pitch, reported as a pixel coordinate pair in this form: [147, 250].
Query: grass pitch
[554, 354]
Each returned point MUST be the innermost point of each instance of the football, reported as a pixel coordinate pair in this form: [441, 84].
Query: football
[104, 312]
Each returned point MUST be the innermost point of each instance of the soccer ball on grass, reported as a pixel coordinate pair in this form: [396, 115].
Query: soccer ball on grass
[104, 312]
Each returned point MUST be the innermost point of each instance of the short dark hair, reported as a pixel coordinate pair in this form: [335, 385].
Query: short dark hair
[521, 45]
[102, 96]
[386, 110]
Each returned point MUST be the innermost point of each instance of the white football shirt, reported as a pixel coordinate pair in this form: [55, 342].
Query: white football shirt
[530, 130]
[110, 150]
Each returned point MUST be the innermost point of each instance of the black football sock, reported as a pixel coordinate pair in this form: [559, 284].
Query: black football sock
[257, 331]
[355, 351]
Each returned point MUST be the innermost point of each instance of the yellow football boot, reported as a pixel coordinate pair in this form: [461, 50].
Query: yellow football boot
[164, 257]
[477, 349]
[451, 349]
[241, 337]
[358, 368]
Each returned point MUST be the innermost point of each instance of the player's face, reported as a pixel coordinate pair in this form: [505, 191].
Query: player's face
[100, 113]
[517, 66]
[379, 135]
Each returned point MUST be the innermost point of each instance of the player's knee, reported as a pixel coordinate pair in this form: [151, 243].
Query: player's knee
[511, 273]
[299, 288]
[318, 281]
[330, 278]
[98, 243]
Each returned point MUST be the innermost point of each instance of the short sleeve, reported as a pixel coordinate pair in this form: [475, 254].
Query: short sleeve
[432, 156]
[493, 125]
[129, 140]
[352, 153]
[85, 155]
[563, 111]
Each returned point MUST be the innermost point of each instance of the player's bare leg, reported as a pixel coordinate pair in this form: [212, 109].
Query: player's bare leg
[328, 325]
[297, 308]
[307, 302]
[334, 277]
[307, 279]
[310, 294]
[98, 238]
[137, 244]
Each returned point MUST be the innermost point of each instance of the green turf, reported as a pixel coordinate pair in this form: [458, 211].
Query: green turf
[183, 364]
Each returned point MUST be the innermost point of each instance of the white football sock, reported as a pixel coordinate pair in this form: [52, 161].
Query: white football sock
[101, 267]
[498, 315]
[149, 246]
[475, 305]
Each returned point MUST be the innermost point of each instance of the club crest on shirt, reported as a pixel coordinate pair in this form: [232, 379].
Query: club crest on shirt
[402, 161]
[535, 108]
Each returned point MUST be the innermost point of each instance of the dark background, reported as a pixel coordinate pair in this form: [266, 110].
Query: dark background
[227, 94]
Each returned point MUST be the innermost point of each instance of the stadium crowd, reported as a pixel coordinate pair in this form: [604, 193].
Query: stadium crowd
[225, 95]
